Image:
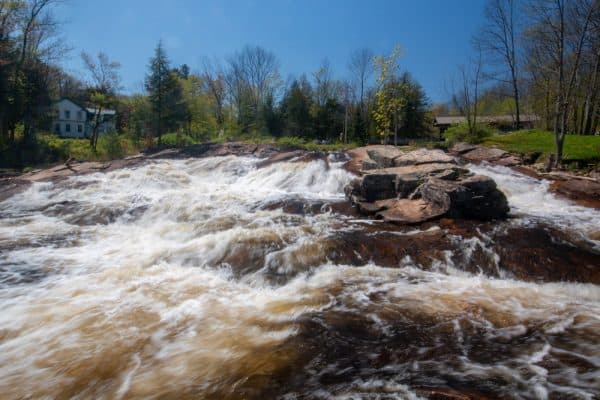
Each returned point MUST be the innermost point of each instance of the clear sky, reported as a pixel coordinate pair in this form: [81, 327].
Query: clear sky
[434, 34]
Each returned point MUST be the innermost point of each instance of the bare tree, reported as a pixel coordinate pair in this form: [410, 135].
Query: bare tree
[252, 75]
[361, 68]
[562, 28]
[498, 38]
[465, 99]
[214, 80]
[26, 32]
[105, 83]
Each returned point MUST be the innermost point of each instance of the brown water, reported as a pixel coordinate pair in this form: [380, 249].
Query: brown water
[211, 278]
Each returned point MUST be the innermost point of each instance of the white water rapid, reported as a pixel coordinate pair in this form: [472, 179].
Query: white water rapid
[192, 279]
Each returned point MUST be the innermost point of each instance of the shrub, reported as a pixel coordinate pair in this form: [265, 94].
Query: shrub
[110, 144]
[173, 139]
[460, 133]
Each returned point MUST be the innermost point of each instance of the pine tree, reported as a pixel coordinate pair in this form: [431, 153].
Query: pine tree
[164, 91]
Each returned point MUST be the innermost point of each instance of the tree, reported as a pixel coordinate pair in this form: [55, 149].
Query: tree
[27, 30]
[164, 92]
[498, 38]
[361, 70]
[561, 31]
[296, 109]
[252, 75]
[213, 78]
[466, 98]
[389, 100]
[105, 83]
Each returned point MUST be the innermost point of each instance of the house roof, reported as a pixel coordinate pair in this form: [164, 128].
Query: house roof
[457, 119]
[106, 111]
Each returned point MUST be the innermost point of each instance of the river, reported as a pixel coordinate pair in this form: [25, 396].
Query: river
[212, 278]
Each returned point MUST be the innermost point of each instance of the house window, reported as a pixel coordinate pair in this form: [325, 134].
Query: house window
[57, 128]
[79, 128]
[79, 115]
[67, 127]
[67, 114]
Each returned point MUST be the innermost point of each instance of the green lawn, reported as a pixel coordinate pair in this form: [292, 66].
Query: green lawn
[576, 147]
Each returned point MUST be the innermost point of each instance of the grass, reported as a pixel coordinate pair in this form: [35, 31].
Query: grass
[576, 148]
[109, 147]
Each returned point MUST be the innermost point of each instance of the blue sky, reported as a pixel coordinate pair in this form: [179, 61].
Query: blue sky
[434, 34]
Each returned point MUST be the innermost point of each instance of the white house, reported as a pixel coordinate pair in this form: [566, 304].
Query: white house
[73, 120]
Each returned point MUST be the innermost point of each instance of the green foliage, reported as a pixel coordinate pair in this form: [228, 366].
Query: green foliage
[576, 147]
[461, 133]
[111, 145]
[174, 139]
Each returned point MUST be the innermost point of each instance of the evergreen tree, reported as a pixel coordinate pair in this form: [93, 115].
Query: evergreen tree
[164, 92]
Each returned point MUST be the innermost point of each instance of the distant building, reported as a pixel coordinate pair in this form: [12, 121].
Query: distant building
[504, 122]
[73, 120]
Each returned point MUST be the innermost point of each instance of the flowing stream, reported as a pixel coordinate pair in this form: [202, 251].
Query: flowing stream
[213, 278]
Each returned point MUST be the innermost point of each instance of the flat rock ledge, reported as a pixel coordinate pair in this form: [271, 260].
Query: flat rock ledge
[420, 185]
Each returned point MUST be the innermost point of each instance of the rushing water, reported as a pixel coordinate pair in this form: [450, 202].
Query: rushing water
[212, 278]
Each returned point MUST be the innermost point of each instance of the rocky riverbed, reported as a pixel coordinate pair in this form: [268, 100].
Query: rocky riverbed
[244, 271]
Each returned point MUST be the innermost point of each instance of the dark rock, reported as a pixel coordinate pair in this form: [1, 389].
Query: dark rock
[476, 197]
[353, 188]
[378, 186]
[369, 165]
[531, 157]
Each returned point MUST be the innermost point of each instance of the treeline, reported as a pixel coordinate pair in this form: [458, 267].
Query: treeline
[539, 57]
[246, 95]
[243, 95]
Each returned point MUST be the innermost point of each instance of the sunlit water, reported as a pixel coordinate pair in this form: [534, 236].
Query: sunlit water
[186, 279]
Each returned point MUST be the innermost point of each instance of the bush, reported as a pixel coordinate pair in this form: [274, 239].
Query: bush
[460, 133]
[110, 145]
[173, 139]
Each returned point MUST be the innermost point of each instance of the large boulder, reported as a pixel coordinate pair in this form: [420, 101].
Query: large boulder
[492, 155]
[423, 156]
[378, 186]
[421, 185]
[384, 155]
[475, 197]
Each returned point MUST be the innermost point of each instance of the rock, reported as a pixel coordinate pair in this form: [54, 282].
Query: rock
[378, 186]
[280, 157]
[475, 197]
[421, 170]
[407, 184]
[481, 153]
[406, 211]
[368, 164]
[585, 192]
[423, 156]
[384, 155]
[353, 188]
[461, 148]
[531, 157]
[509, 161]
[367, 208]
[448, 175]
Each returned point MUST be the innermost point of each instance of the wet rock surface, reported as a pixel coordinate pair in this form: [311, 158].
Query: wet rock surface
[421, 185]
[583, 191]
